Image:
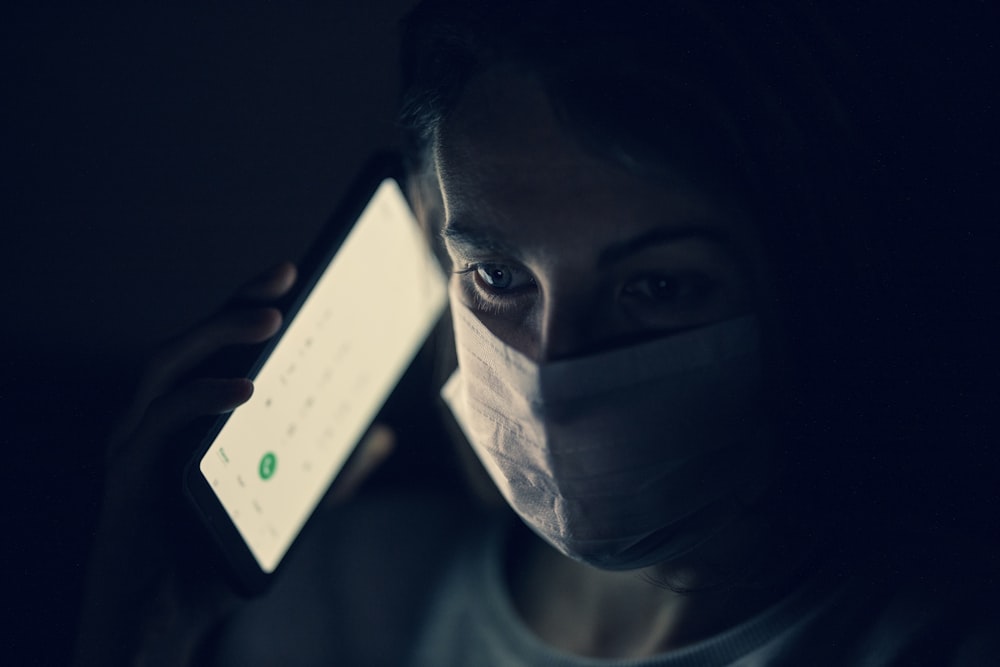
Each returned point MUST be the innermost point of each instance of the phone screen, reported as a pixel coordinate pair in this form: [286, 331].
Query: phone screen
[334, 366]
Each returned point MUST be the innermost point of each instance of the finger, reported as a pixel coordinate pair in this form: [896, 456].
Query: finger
[270, 285]
[234, 325]
[372, 451]
[173, 361]
[171, 412]
[231, 327]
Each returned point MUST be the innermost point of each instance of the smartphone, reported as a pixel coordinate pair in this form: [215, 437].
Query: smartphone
[368, 296]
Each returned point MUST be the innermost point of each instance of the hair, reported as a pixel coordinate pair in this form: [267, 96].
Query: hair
[762, 101]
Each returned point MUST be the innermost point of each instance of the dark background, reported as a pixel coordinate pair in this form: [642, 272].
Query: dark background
[155, 158]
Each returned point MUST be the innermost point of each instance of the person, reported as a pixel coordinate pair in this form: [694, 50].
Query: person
[670, 328]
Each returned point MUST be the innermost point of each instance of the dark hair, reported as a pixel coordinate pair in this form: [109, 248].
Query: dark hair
[763, 100]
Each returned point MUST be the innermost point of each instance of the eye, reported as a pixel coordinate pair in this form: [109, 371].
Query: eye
[683, 290]
[499, 290]
[502, 277]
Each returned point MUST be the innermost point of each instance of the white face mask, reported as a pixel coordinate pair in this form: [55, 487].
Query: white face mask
[623, 459]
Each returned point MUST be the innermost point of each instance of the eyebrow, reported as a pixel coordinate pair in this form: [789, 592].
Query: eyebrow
[662, 236]
[485, 239]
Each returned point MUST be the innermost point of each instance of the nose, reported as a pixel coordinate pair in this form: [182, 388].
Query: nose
[568, 326]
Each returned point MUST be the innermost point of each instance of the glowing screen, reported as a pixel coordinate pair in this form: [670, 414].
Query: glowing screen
[337, 362]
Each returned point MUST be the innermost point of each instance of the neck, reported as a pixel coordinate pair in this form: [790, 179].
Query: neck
[597, 613]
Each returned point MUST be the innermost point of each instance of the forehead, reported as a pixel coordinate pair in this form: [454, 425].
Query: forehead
[505, 156]
[503, 116]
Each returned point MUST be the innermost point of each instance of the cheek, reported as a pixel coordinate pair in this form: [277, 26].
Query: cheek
[519, 332]
[520, 335]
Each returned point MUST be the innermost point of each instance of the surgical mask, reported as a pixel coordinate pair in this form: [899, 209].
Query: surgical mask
[623, 459]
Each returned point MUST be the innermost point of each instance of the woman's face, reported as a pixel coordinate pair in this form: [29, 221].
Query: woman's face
[561, 253]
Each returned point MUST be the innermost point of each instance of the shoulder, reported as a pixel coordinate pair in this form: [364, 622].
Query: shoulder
[920, 618]
[355, 590]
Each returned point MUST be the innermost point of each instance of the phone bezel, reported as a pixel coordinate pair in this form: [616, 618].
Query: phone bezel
[245, 574]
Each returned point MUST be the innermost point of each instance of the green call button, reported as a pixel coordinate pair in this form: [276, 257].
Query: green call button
[268, 463]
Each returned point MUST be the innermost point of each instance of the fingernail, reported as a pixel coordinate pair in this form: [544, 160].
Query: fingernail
[280, 270]
[257, 317]
[238, 391]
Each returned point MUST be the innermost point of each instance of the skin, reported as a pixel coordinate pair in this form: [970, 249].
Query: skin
[586, 243]
[561, 254]
[141, 604]
[524, 203]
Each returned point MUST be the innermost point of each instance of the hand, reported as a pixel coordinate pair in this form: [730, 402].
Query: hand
[144, 603]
